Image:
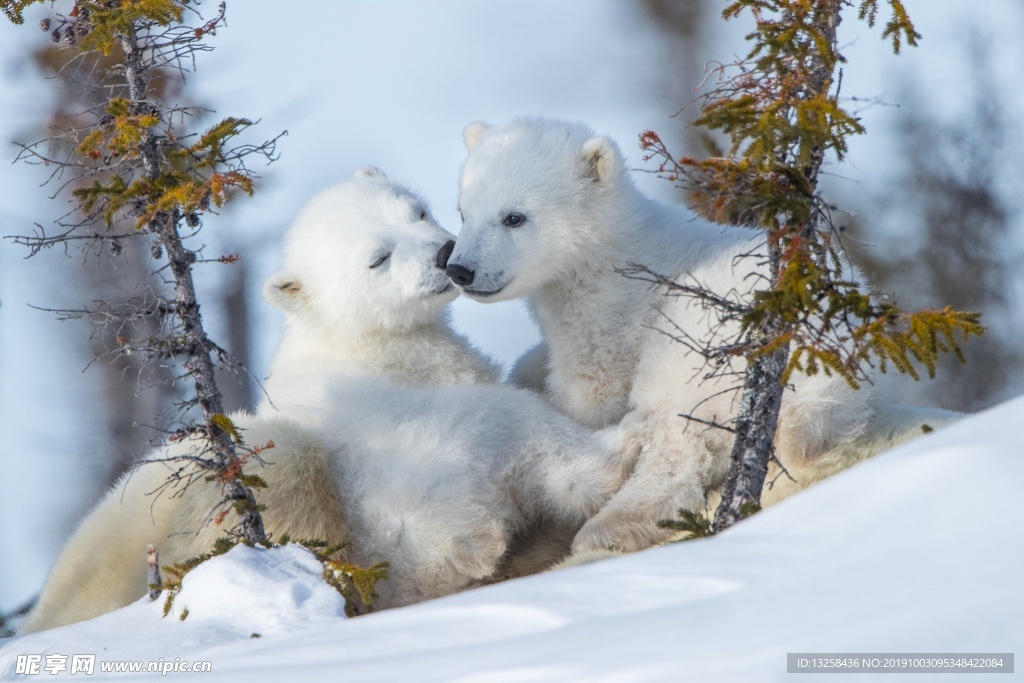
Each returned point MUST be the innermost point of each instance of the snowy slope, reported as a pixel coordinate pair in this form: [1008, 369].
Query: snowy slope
[918, 550]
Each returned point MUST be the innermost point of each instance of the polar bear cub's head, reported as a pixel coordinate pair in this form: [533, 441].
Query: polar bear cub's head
[362, 256]
[534, 195]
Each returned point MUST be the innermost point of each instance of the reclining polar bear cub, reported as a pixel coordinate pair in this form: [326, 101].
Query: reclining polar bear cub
[549, 213]
[381, 436]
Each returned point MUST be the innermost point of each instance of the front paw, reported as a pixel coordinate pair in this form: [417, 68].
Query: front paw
[618, 532]
[476, 555]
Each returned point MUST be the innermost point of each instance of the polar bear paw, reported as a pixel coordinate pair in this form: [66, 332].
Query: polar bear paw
[619, 531]
[630, 521]
[476, 554]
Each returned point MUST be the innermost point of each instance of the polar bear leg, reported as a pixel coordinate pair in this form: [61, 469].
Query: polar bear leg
[630, 520]
[673, 470]
[432, 550]
[560, 492]
[543, 545]
[103, 566]
[558, 489]
[572, 472]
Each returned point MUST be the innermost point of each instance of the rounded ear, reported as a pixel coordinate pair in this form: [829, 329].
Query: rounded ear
[370, 171]
[282, 290]
[472, 133]
[602, 159]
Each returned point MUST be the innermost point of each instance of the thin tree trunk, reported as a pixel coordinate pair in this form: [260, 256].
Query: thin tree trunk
[153, 580]
[758, 419]
[199, 364]
[754, 446]
[237, 386]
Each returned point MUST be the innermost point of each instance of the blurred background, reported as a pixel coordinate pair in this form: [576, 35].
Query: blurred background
[931, 196]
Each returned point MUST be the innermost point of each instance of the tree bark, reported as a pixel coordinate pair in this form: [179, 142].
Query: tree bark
[754, 446]
[153, 580]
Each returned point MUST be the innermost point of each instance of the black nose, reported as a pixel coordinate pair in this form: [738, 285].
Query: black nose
[460, 275]
[441, 261]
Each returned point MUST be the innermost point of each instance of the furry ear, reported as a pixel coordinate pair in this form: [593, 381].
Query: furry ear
[282, 290]
[602, 159]
[472, 134]
[370, 171]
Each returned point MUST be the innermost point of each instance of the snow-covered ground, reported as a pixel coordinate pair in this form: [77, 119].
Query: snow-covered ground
[919, 551]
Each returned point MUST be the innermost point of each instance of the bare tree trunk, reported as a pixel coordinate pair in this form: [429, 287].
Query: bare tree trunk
[754, 446]
[155, 583]
[685, 28]
[237, 386]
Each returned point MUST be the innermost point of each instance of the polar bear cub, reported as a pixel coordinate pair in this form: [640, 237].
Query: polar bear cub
[385, 430]
[550, 214]
[363, 294]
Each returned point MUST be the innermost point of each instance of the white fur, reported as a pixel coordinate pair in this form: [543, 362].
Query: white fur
[606, 362]
[380, 436]
[345, 318]
[103, 565]
[443, 481]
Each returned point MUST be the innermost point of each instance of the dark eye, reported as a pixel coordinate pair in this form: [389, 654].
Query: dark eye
[380, 259]
[423, 215]
[513, 220]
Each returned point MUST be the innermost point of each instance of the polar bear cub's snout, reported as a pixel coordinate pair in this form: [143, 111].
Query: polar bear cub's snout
[460, 274]
[457, 273]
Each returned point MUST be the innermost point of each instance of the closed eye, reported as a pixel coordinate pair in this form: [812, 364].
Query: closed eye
[380, 259]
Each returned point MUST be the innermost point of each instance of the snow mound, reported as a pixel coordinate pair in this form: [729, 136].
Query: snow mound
[256, 590]
[244, 594]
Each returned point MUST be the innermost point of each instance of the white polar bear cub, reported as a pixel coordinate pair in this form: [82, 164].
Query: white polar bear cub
[363, 294]
[550, 214]
[385, 431]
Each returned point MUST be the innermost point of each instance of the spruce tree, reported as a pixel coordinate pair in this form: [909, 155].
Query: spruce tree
[133, 169]
[780, 109]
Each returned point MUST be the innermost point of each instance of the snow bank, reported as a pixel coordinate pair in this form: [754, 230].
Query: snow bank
[917, 550]
[244, 594]
[255, 590]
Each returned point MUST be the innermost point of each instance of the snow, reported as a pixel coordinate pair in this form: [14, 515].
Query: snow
[918, 550]
[282, 590]
[229, 598]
